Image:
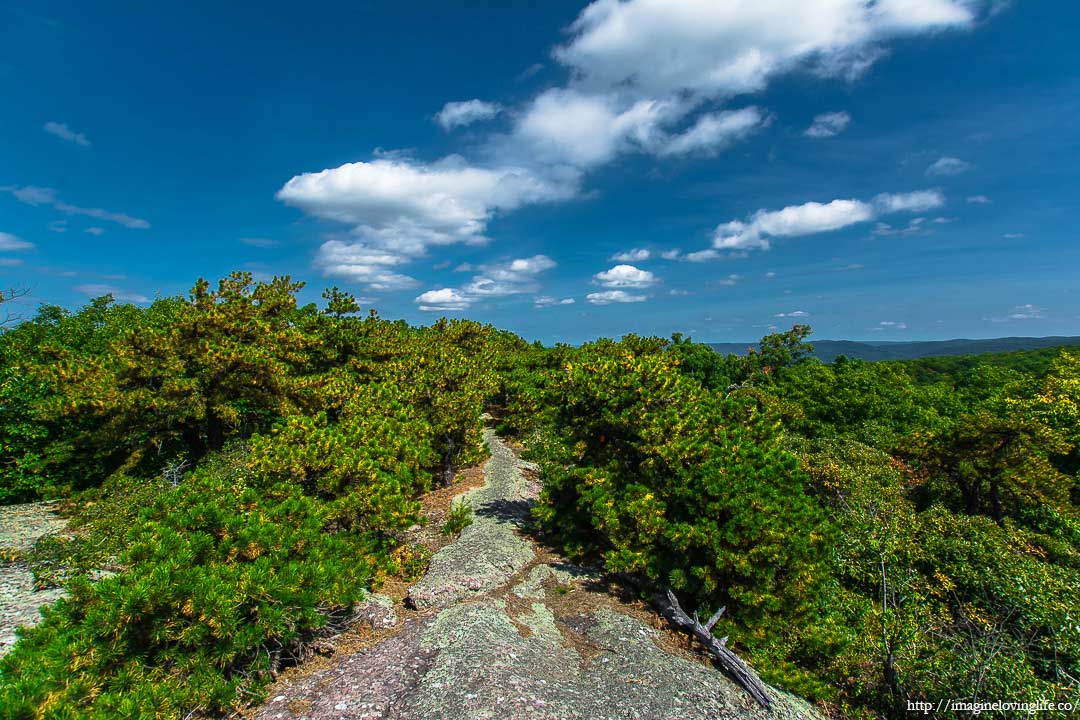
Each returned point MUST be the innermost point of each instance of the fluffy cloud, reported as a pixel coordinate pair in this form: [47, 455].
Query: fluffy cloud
[362, 263]
[828, 125]
[407, 206]
[446, 299]
[625, 276]
[647, 76]
[721, 48]
[94, 290]
[62, 131]
[805, 219]
[9, 242]
[948, 166]
[890, 325]
[399, 208]
[31, 195]
[614, 296]
[459, 114]
[514, 277]
[634, 255]
[808, 219]
[793, 314]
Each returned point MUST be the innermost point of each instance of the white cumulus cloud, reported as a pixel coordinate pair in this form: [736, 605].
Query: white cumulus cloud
[720, 48]
[446, 299]
[808, 219]
[625, 276]
[513, 277]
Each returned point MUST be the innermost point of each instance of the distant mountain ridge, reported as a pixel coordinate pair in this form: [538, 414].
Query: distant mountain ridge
[829, 350]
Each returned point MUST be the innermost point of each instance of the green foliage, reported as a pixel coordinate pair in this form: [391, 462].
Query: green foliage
[668, 481]
[246, 467]
[225, 576]
[459, 518]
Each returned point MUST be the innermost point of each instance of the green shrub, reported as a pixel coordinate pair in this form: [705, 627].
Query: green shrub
[459, 518]
[225, 578]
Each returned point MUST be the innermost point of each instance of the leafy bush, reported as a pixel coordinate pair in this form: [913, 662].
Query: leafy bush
[226, 577]
[666, 480]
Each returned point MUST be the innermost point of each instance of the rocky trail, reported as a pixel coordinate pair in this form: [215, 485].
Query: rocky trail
[20, 602]
[501, 628]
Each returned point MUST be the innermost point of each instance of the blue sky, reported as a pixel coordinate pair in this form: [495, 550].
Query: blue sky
[889, 170]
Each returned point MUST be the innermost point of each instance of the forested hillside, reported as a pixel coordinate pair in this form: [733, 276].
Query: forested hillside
[830, 350]
[247, 467]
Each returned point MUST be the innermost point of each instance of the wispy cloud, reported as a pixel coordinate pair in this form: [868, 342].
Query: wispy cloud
[37, 196]
[459, 114]
[62, 131]
[1021, 312]
[793, 314]
[948, 166]
[978, 200]
[9, 242]
[544, 301]
[260, 242]
[610, 297]
[810, 218]
[828, 125]
[501, 279]
[634, 255]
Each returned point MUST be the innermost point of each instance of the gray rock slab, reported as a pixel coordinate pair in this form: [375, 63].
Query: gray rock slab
[490, 550]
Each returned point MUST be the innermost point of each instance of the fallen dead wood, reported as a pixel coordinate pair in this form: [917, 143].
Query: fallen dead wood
[729, 662]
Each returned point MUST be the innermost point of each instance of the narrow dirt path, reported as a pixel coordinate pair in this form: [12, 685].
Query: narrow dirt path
[503, 629]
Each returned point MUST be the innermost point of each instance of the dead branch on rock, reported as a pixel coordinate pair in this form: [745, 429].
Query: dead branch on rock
[729, 662]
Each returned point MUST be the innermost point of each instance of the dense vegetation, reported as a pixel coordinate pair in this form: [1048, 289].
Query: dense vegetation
[246, 465]
[245, 468]
[879, 532]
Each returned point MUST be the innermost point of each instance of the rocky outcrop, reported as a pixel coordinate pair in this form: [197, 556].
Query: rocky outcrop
[504, 630]
[20, 603]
